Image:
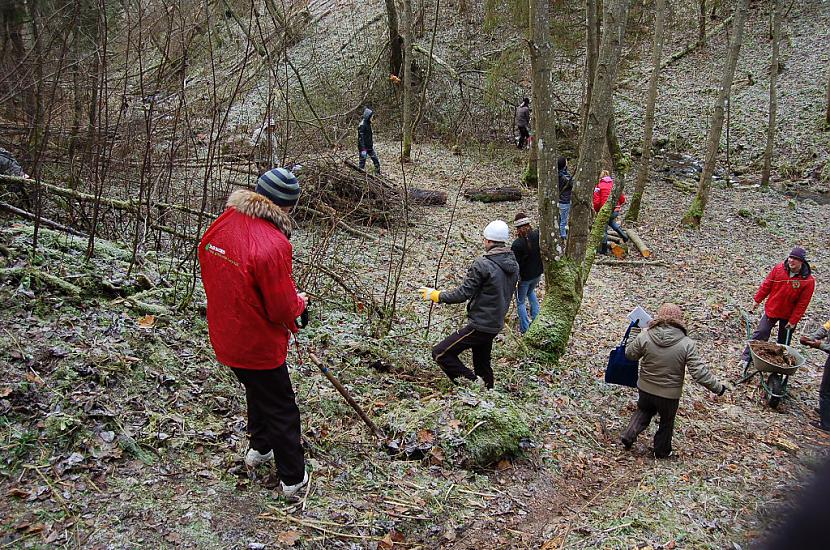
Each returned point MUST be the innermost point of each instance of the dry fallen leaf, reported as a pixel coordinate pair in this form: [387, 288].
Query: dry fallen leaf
[289, 537]
[148, 321]
[425, 436]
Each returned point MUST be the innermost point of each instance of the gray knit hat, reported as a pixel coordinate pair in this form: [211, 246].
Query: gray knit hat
[280, 186]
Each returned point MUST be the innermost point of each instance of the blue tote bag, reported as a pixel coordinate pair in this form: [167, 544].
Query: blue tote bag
[621, 370]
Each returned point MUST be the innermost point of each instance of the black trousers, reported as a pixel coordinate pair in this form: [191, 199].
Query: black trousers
[274, 419]
[647, 406]
[524, 133]
[824, 396]
[446, 354]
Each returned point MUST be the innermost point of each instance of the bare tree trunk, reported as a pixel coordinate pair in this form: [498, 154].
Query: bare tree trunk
[698, 206]
[405, 13]
[591, 53]
[648, 130]
[593, 142]
[395, 40]
[701, 23]
[827, 114]
[544, 128]
[565, 274]
[773, 92]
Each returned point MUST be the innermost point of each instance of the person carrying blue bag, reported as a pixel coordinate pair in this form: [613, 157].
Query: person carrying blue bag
[665, 352]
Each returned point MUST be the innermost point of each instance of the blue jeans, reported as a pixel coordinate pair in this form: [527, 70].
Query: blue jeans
[527, 289]
[612, 223]
[564, 212]
[372, 155]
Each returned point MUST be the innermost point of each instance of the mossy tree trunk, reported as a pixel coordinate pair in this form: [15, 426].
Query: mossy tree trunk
[773, 92]
[405, 13]
[698, 207]
[566, 273]
[544, 127]
[648, 125]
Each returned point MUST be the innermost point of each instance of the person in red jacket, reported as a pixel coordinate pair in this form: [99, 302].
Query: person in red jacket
[601, 194]
[252, 309]
[787, 289]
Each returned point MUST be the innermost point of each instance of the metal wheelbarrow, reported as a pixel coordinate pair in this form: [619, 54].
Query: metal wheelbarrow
[775, 385]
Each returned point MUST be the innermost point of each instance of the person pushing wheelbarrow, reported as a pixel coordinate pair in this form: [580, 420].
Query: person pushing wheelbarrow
[787, 289]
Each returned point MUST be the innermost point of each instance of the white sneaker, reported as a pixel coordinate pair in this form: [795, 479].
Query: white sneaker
[292, 490]
[254, 458]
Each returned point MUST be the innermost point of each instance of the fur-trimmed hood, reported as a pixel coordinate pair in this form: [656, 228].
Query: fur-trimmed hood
[255, 205]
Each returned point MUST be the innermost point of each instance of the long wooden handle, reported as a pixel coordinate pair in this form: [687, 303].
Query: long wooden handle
[345, 393]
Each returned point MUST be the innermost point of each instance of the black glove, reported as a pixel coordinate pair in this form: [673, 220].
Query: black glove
[304, 316]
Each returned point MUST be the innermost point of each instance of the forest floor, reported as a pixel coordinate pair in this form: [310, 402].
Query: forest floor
[120, 430]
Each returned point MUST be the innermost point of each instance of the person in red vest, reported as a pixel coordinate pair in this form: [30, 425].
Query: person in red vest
[602, 192]
[787, 289]
[252, 309]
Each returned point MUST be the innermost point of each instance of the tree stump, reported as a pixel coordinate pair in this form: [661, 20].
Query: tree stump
[495, 194]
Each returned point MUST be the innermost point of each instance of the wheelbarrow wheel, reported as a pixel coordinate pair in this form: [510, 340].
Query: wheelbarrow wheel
[776, 388]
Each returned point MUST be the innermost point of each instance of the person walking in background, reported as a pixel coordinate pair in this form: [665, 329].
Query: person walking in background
[820, 339]
[788, 289]
[489, 287]
[366, 142]
[245, 256]
[523, 122]
[566, 185]
[529, 257]
[602, 192]
[665, 352]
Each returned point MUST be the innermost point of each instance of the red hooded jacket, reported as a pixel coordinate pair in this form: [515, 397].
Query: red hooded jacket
[788, 296]
[602, 191]
[246, 257]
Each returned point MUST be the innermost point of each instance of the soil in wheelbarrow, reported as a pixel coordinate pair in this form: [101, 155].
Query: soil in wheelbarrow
[775, 354]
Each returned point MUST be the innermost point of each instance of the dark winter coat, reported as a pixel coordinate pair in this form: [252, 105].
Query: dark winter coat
[252, 303]
[365, 141]
[787, 296]
[566, 186]
[522, 116]
[665, 352]
[489, 286]
[8, 165]
[528, 256]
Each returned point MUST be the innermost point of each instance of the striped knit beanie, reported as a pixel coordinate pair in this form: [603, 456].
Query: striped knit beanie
[280, 186]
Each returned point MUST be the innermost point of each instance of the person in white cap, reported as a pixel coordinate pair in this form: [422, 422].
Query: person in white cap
[489, 287]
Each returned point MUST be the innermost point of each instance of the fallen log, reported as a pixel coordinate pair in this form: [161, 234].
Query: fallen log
[638, 242]
[617, 250]
[496, 194]
[631, 263]
[428, 197]
[48, 223]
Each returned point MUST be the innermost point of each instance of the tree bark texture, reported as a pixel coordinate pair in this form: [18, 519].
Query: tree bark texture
[544, 127]
[695, 213]
[395, 40]
[427, 197]
[648, 125]
[593, 142]
[827, 114]
[701, 23]
[591, 53]
[405, 13]
[773, 92]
